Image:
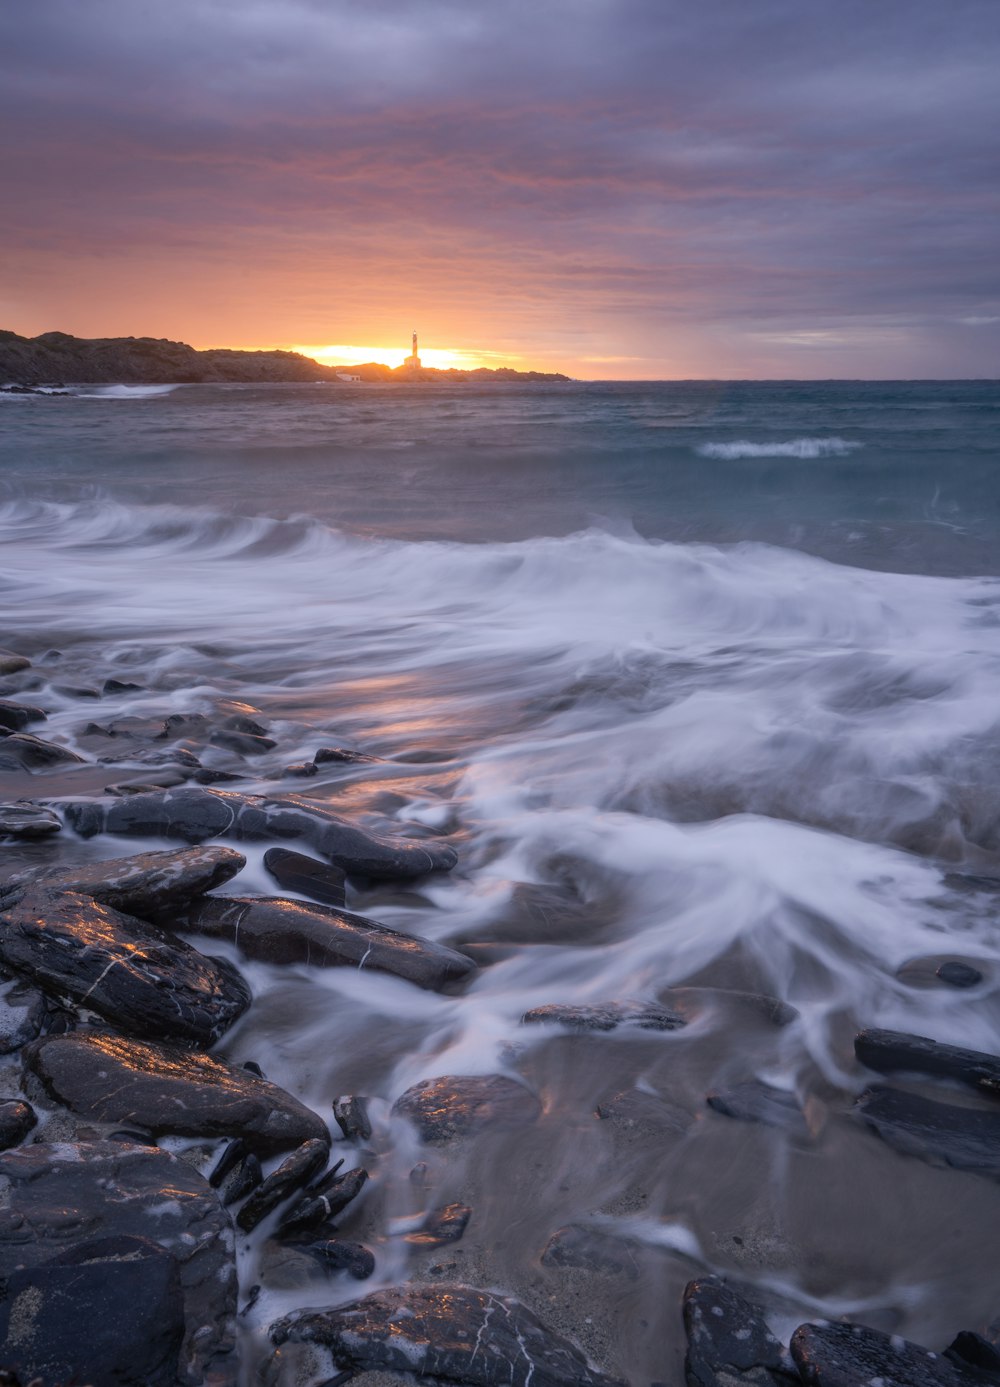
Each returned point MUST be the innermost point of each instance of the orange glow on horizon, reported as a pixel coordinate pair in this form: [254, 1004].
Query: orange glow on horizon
[440, 358]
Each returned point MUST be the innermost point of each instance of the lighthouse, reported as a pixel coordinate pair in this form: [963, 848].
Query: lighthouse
[412, 362]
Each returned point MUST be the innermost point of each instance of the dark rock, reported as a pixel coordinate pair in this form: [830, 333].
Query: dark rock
[966, 1138]
[892, 1051]
[591, 1250]
[254, 1068]
[16, 716]
[183, 725]
[296, 872]
[23, 1010]
[606, 1017]
[304, 769]
[216, 776]
[850, 1355]
[969, 1349]
[957, 974]
[455, 1105]
[327, 1199]
[232, 1154]
[244, 743]
[343, 754]
[125, 969]
[729, 1342]
[169, 1090]
[194, 814]
[244, 1177]
[639, 1113]
[337, 1254]
[276, 930]
[16, 1121]
[76, 691]
[352, 1118]
[754, 1101]
[452, 1333]
[240, 722]
[117, 686]
[65, 1195]
[444, 1225]
[148, 884]
[163, 781]
[295, 1171]
[692, 1001]
[62, 1321]
[23, 820]
[11, 663]
[22, 751]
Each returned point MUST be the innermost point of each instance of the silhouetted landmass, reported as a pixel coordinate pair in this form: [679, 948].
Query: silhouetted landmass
[56, 358]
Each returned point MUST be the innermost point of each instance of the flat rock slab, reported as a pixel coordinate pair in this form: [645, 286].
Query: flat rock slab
[22, 751]
[729, 1342]
[296, 872]
[277, 930]
[893, 1051]
[148, 884]
[451, 1333]
[27, 821]
[754, 1101]
[848, 1355]
[164, 1089]
[116, 1209]
[195, 815]
[606, 1017]
[457, 1105]
[967, 1138]
[138, 978]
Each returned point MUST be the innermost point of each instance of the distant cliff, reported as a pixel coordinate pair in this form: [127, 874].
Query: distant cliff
[56, 358]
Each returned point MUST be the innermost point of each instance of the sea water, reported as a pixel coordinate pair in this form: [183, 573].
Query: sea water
[700, 679]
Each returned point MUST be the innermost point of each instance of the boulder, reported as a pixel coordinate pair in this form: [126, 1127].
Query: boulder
[11, 663]
[606, 1017]
[127, 970]
[92, 1227]
[729, 1342]
[893, 1051]
[276, 930]
[16, 716]
[849, 1355]
[149, 884]
[16, 1120]
[967, 1138]
[23, 820]
[164, 1089]
[457, 1105]
[23, 752]
[351, 1114]
[296, 872]
[195, 814]
[451, 1333]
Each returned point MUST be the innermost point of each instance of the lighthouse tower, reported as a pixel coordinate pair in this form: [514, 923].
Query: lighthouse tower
[412, 362]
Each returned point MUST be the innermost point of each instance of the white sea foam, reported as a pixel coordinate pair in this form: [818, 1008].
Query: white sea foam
[804, 448]
[124, 392]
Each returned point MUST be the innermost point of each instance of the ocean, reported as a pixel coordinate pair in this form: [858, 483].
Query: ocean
[701, 680]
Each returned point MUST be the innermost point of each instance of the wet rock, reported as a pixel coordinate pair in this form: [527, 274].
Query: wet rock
[244, 743]
[16, 1121]
[169, 1090]
[76, 691]
[352, 1118]
[893, 1051]
[957, 974]
[294, 1172]
[241, 722]
[339, 1254]
[606, 1017]
[452, 1333]
[590, 1250]
[241, 1180]
[148, 884]
[969, 1349]
[692, 1001]
[64, 1197]
[327, 754]
[967, 1138]
[444, 1225]
[125, 969]
[232, 1154]
[23, 820]
[931, 970]
[754, 1101]
[276, 930]
[22, 751]
[11, 663]
[325, 1200]
[16, 716]
[729, 1342]
[23, 1010]
[194, 814]
[305, 770]
[848, 1355]
[296, 872]
[309, 1263]
[456, 1105]
[119, 686]
[62, 1321]
[638, 1113]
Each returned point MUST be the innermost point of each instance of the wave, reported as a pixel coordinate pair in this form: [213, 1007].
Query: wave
[804, 448]
[124, 392]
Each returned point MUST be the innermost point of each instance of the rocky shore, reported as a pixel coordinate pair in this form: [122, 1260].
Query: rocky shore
[56, 359]
[141, 1167]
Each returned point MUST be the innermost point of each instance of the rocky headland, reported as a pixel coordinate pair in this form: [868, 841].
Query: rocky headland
[57, 358]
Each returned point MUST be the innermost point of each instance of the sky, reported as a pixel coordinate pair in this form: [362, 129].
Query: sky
[631, 189]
